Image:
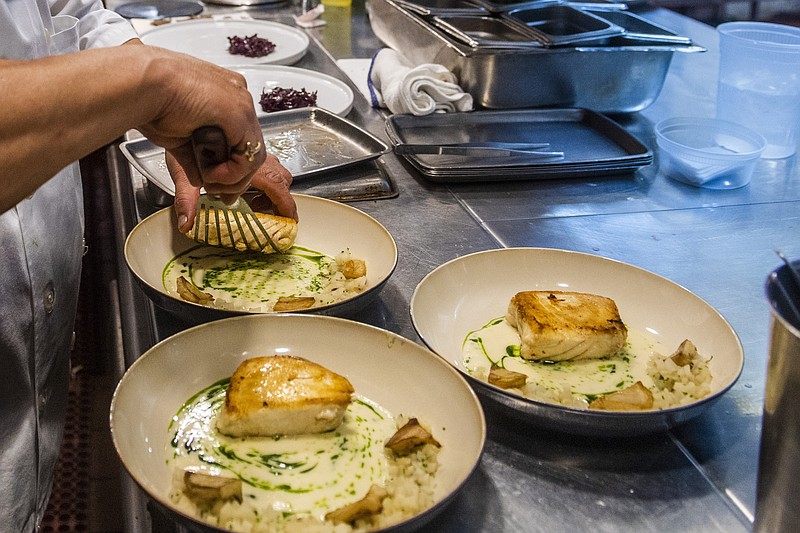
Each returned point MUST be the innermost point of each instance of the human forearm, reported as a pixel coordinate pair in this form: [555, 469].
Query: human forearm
[59, 109]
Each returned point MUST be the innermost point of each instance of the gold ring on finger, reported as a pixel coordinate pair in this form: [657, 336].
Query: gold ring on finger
[250, 151]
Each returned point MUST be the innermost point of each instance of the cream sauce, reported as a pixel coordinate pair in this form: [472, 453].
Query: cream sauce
[252, 281]
[499, 343]
[298, 474]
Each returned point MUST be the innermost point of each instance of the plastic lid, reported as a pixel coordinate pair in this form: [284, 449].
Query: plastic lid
[763, 35]
[709, 140]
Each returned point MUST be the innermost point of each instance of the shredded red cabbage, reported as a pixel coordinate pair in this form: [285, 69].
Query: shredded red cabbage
[252, 46]
[279, 99]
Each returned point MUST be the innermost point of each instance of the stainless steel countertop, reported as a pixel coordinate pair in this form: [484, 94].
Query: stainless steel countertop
[719, 244]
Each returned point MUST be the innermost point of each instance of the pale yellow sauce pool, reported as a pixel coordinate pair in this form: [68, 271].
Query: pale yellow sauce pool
[252, 281]
[498, 342]
[300, 474]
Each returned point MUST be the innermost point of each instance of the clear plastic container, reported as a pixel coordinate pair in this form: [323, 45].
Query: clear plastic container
[708, 153]
[759, 82]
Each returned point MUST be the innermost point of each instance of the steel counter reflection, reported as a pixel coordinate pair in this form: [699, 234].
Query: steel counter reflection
[719, 245]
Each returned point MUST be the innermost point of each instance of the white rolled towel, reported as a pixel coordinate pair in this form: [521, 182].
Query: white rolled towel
[401, 87]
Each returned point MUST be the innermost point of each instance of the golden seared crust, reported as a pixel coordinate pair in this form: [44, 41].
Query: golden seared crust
[284, 381]
[559, 325]
[283, 395]
[282, 231]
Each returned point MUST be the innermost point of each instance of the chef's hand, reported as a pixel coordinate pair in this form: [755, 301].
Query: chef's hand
[197, 94]
[272, 178]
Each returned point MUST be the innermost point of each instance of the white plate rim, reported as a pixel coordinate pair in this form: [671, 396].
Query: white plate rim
[341, 108]
[302, 40]
[376, 284]
[584, 413]
[391, 339]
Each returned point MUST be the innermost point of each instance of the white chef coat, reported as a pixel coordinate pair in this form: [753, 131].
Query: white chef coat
[41, 246]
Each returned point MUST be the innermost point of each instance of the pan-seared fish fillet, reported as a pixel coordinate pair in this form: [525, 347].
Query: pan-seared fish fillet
[559, 326]
[283, 395]
[282, 231]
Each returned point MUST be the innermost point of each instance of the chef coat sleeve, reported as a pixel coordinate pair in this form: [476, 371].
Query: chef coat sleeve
[98, 27]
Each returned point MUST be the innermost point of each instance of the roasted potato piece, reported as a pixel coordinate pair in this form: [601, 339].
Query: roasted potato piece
[206, 489]
[506, 379]
[637, 397]
[370, 504]
[293, 303]
[685, 353]
[409, 437]
[190, 293]
[354, 268]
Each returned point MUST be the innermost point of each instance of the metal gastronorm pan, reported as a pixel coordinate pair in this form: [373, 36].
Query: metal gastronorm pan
[503, 6]
[640, 29]
[622, 78]
[308, 142]
[487, 31]
[433, 7]
[563, 24]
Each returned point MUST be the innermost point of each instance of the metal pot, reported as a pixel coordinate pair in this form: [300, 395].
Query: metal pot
[779, 461]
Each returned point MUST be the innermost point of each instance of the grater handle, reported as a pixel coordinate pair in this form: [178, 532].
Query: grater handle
[210, 146]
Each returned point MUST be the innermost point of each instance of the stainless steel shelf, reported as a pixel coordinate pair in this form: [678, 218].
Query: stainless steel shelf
[699, 477]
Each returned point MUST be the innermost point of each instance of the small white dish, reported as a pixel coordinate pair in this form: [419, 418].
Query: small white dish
[208, 40]
[325, 226]
[332, 94]
[708, 153]
[466, 293]
[400, 375]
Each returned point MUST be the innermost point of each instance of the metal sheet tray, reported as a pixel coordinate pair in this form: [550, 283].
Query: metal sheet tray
[592, 143]
[308, 141]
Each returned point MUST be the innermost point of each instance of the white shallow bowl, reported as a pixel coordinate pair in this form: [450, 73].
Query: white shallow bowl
[398, 374]
[332, 94]
[708, 153]
[325, 225]
[466, 293]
